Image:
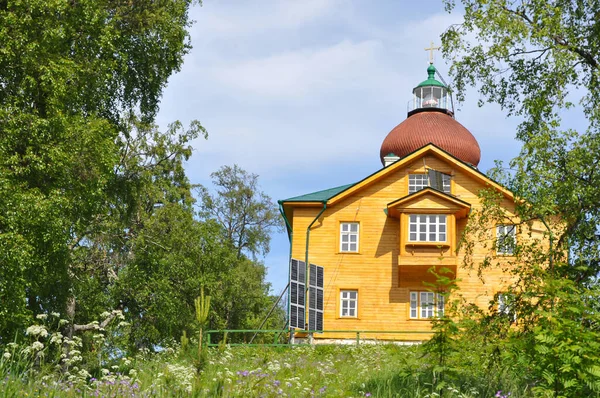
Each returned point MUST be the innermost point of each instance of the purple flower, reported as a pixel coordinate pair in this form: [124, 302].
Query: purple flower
[368, 394]
[322, 389]
[276, 383]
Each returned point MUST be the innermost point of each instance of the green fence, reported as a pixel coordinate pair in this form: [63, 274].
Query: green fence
[280, 338]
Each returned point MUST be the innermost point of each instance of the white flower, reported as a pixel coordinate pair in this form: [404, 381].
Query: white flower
[55, 314]
[84, 373]
[36, 330]
[37, 346]
[105, 372]
[105, 314]
[132, 372]
[41, 316]
[6, 355]
[56, 338]
[123, 324]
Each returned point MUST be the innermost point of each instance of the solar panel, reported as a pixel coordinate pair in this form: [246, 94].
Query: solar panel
[439, 180]
[315, 302]
[297, 294]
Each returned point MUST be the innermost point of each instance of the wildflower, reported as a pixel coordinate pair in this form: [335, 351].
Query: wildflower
[368, 394]
[84, 373]
[56, 338]
[55, 314]
[6, 355]
[41, 316]
[37, 346]
[36, 330]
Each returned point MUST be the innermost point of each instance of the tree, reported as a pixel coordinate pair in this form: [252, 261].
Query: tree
[247, 214]
[534, 58]
[71, 73]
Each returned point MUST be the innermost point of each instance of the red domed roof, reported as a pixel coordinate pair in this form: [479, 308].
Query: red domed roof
[438, 128]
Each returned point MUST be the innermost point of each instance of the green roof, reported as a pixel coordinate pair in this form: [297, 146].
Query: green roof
[431, 81]
[319, 196]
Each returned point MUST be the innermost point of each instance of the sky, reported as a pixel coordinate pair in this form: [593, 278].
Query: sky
[303, 93]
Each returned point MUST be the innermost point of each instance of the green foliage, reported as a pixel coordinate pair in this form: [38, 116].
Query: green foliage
[71, 73]
[202, 305]
[538, 60]
[442, 345]
[247, 214]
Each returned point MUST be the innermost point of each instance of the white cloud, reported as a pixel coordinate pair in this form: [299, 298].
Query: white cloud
[262, 16]
[306, 72]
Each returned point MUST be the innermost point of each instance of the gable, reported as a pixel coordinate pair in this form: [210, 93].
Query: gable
[430, 200]
[413, 161]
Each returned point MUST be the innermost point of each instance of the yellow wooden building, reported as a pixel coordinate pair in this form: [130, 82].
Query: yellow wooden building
[370, 244]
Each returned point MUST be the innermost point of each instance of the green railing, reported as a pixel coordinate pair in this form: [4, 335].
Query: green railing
[280, 338]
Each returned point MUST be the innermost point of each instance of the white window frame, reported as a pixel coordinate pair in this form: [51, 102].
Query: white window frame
[506, 306]
[426, 305]
[349, 303]
[348, 237]
[418, 181]
[503, 232]
[430, 225]
[446, 184]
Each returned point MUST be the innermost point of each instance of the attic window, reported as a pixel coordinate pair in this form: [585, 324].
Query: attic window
[433, 178]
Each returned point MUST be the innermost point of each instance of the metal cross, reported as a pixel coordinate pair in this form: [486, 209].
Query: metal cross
[431, 50]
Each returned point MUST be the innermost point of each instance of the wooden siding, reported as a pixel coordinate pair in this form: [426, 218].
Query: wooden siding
[387, 268]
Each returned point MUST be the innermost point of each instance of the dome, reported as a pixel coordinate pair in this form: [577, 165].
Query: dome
[431, 126]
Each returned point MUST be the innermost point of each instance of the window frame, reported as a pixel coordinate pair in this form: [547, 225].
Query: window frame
[418, 232]
[432, 309]
[506, 305]
[349, 300]
[349, 233]
[413, 187]
[501, 247]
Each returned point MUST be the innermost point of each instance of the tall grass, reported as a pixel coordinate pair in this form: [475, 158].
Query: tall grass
[381, 370]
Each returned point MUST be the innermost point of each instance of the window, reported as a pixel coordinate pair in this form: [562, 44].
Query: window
[505, 239]
[424, 305]
[506, 306]
[427, 228]
[349, 237]
[348, 303]
[416, 182]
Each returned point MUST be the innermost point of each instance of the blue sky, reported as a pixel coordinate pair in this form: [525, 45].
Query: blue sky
[303, 93]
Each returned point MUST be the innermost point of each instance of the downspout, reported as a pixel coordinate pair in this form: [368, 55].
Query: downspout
[306, 274]
[290, 233]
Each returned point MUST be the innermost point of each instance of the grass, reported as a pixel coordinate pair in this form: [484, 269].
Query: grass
[382, 370]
